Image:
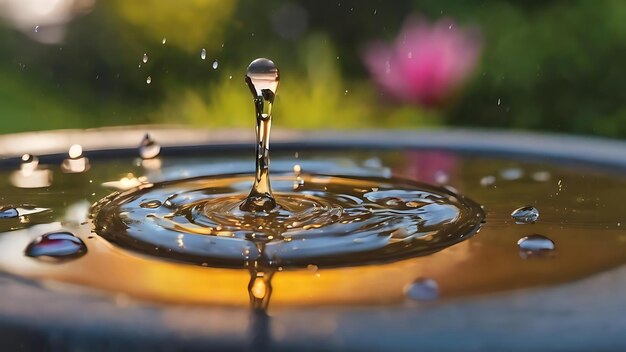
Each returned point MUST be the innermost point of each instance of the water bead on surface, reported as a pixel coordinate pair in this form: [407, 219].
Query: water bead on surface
[525, 215]
[58, 245]
[422, 289]
[535, 246]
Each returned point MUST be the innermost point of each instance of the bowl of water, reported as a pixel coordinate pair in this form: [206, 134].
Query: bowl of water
[160, 237]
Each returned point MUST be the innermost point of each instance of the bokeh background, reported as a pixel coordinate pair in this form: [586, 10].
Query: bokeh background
[549, 65]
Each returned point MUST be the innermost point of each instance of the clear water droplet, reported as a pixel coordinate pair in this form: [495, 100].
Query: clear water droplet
[149, 148]
[535, 246]
[422, 289]
[263, 75]
[29, 163]
[145, 58]
[8, 213]
[36, 29]
[164, 40]
[525, 215]
[150, 204]
[511, 174]
[215, 64]
[59, 245]
[149, 80]
[203, 54]
[542, 176]
[487, 181]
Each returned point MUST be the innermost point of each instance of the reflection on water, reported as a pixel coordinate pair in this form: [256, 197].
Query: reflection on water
[581, 215]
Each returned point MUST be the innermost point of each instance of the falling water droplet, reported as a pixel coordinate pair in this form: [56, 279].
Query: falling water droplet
[164, 40]
[203, 54]
[535, 246]
[8, 213]
[149, 80]
[145, 58]
[149, 148]
[36, 29]
[215, 64]
[59, 245]
[422, 289]
[150, 204]
[525, 215]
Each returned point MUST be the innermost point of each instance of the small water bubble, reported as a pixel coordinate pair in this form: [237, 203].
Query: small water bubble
[59, 245]
[149, 148]
[535, 246]
[487, 181]
[149, 80]
[422, 289]
[145, 58]
[525, 215]
[150, 204]
[215, 64]
[203, 54]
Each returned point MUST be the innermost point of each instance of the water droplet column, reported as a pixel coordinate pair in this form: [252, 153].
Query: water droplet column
[262, 78]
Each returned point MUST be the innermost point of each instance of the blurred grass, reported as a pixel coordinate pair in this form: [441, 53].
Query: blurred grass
[553, 65]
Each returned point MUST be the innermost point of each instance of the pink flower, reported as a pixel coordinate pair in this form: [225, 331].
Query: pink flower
[426, 63]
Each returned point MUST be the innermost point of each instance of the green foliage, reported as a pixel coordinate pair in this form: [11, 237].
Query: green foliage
[553, 65]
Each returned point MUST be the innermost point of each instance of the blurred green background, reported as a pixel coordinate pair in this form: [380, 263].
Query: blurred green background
[550, 65]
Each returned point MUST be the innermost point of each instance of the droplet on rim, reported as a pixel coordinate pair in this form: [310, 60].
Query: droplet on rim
[149, 148]
[422, 289]
[58, 245]
[525, 215]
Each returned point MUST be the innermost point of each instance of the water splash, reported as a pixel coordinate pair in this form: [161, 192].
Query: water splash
[262, 78]
[76, 163]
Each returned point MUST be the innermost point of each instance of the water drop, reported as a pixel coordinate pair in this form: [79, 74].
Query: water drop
[498, 101]
[8, 213]
[203, 54]
[422, 289]
[150, 204]
[29, 163]
[149, 148]
[487, 181]
[215, 64]
[312, 267]
[149, 80]
[164, 41]
[59, 245]
[230, 77]
[535, 246]
[77, 162]
[145, 58]
[511, 174]
[36, 29]
[542, 176]
[525, 215]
